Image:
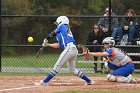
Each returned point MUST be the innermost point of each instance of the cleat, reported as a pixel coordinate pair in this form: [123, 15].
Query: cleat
[90, 83]
[132, 80]
[40, 83]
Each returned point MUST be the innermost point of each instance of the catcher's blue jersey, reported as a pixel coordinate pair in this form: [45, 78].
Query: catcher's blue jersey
[63, 36]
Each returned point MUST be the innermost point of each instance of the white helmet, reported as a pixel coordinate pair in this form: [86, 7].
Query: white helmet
[109, 40]
[62, 20]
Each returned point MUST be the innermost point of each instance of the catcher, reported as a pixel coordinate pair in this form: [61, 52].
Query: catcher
[118, 61]
[66, 41]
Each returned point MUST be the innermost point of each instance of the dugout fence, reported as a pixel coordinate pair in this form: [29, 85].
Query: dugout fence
[17, 55]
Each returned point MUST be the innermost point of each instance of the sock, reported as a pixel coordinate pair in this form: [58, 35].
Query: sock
[81, 75]
[50, 76]
[85, 78]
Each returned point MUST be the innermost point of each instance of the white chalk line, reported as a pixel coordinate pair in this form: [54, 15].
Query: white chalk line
[10, 89]
[9, 83]
[19, 88]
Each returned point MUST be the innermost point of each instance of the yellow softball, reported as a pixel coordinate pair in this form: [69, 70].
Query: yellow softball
[30, 39]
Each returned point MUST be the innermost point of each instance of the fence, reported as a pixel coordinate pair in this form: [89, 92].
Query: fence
[23, 18]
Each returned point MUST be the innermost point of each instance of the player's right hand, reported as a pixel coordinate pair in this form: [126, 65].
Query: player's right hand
[45, 43]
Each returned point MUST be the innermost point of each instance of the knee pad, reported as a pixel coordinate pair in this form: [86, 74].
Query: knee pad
[111, 77]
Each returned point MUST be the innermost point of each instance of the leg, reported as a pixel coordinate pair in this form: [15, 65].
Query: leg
[102, 68]
[65, 56]
[120, 33]
[95, 63]
[114, 32]
[121, 79]
[122, 74]
[71, 66]
[132, 32]
[111, 66]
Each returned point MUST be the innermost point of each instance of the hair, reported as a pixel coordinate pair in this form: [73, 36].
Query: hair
[131, 11]
[99, 32]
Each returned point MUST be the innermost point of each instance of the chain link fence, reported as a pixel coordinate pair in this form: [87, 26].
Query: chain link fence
[23, 18]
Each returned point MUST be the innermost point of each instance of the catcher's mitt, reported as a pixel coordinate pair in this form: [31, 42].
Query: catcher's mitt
[83, 51]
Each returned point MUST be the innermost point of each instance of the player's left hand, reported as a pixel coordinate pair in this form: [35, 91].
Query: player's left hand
[45, 43]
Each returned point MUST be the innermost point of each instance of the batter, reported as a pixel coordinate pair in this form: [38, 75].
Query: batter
[68, 56]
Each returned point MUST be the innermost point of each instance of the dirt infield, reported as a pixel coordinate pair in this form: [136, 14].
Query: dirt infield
[25, 84]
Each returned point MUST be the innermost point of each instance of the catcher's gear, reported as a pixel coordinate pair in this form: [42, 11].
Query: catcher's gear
[62, 20]
[86, 56]
[109, 40]
[82, 50]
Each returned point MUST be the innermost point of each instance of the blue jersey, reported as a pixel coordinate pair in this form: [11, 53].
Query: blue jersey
[63, 36]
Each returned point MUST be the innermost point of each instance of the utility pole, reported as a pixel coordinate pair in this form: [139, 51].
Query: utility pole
[110, 17]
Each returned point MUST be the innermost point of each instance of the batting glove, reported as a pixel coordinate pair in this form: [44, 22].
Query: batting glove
[45, 43]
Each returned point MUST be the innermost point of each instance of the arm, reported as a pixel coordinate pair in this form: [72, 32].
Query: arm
[51, 35]
[99, 54]
[54, 45]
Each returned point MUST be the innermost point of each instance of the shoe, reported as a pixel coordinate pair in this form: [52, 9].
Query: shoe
[40, 83]
[132, 80]
[90, 83]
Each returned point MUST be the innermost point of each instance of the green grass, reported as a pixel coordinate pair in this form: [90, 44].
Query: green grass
[45, 61]
[96, 91]
[59, 74]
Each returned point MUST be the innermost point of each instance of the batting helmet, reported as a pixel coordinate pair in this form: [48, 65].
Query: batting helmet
[62, 20]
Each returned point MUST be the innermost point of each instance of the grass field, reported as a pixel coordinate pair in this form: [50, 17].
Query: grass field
[59, 74]
[45, 61]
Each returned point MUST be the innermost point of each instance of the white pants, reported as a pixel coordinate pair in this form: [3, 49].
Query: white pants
[69, 56]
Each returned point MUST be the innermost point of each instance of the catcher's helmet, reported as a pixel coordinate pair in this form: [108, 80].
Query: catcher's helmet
[62, 20]
[109, 40]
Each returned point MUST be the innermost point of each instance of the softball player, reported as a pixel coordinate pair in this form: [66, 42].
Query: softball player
[118, 61]
[69, 55]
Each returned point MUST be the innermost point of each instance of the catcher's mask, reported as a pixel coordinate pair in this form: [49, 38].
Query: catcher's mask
[109, 40]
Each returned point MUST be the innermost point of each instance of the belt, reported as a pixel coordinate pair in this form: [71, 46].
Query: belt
[70, 43]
